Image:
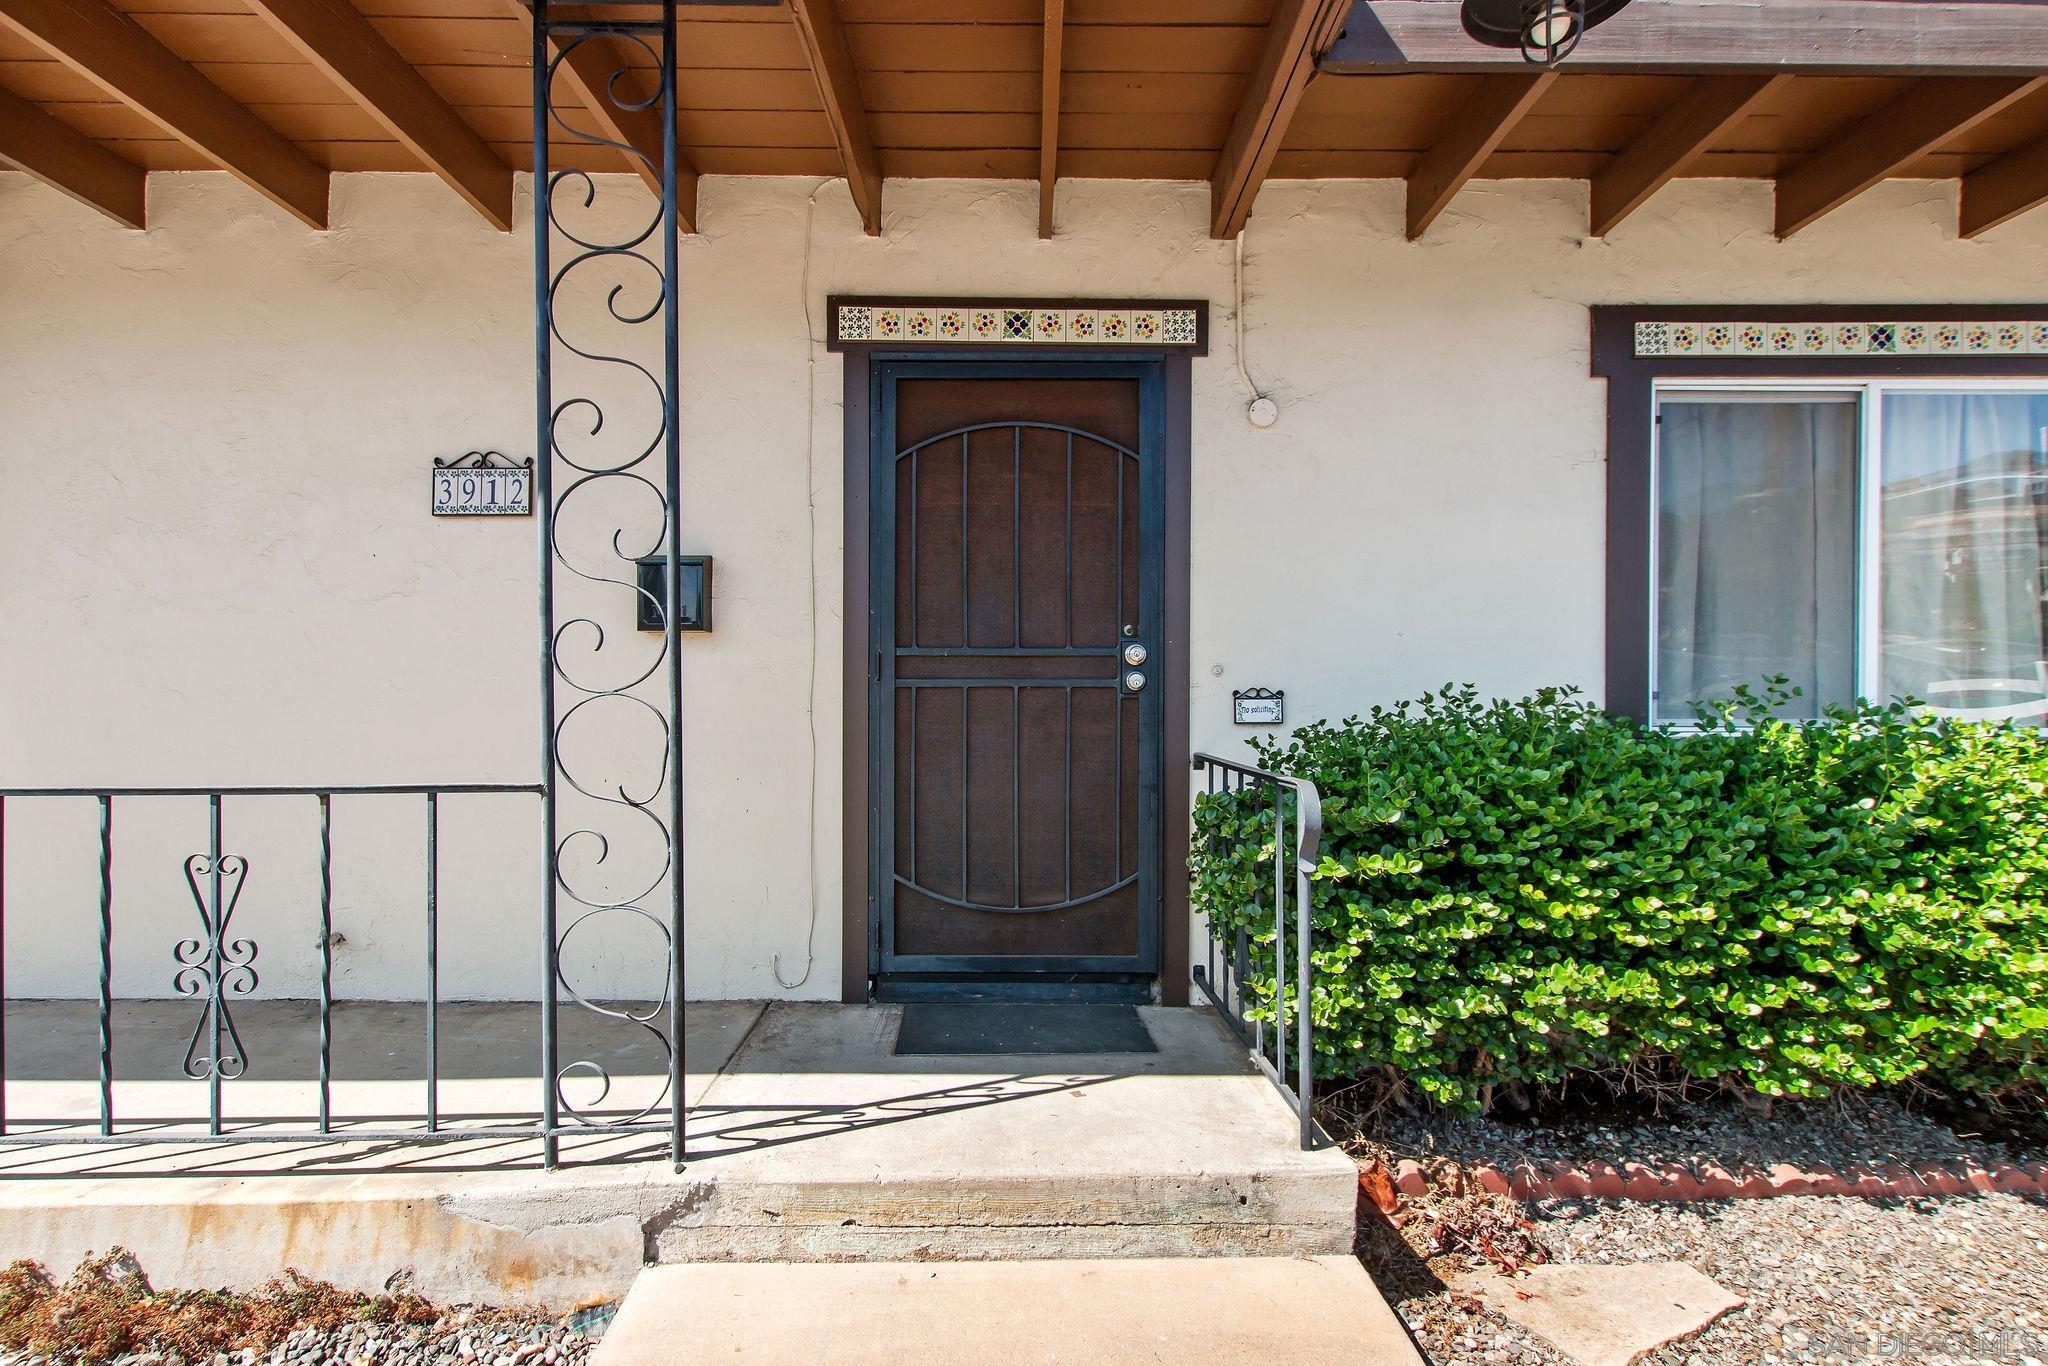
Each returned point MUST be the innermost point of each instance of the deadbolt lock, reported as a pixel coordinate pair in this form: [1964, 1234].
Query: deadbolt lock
[1134, 681]
[1135, 654]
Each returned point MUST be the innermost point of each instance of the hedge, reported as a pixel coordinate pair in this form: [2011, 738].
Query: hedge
[1513, 893]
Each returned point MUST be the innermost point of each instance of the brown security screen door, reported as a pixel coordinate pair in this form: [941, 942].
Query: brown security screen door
[1015, 791]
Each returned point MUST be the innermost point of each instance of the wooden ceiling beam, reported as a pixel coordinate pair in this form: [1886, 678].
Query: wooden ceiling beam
[334, 36]
[118, 55]
[1481, 124]
[824, 42]
[585, 74]
[1820, 37]
[1300, 32]
[2005, 188]
[65, 159]
[1930, 113]
[1706, 111]
[1049, 110]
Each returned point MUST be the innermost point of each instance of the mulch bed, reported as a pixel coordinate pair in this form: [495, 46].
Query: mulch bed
[107, 1312]
[1855, 1145]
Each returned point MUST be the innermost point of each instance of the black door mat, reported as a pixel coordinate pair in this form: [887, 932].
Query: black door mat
[1002, 1028]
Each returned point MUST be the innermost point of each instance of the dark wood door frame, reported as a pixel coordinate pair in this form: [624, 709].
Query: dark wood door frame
[858, 926]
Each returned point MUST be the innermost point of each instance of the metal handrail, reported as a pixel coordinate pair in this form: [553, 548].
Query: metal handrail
[1308, 837]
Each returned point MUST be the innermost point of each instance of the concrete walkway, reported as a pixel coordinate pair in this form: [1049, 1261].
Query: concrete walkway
[1302, 1311]
[809, 1141]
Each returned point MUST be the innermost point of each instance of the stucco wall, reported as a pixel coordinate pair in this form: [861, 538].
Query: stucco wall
[216, 563]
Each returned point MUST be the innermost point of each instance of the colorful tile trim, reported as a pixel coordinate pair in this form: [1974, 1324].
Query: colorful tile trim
[1007, 324]
[1989, 338]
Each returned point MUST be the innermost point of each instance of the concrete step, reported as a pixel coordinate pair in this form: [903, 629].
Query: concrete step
[810, 1139]
[822, 1144]
[1117, 1312]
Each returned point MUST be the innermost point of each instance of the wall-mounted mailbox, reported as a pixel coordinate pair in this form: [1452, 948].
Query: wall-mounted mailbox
[693, 592]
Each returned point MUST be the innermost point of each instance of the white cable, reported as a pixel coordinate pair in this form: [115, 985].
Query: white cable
[811, 555]
[1261, 411]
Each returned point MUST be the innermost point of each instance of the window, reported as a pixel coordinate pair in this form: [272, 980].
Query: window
[1877, 539]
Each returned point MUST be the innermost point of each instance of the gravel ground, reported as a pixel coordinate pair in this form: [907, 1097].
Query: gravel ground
[1934, 1282]
[1852, 1131]
[456, 1340]
[1931, 1282]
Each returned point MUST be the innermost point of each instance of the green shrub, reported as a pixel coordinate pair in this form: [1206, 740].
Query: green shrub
[1510, 893]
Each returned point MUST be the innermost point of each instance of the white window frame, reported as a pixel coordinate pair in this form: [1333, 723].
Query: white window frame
[1869, 395]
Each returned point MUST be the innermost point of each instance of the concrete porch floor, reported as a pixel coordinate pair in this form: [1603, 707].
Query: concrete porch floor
[809, 1141]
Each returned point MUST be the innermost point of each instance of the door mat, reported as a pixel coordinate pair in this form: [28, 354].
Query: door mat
[1003, 1028]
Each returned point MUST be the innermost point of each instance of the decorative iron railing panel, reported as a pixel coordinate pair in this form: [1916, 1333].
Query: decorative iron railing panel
[216, 968]
[1229, 976]
[607, 481]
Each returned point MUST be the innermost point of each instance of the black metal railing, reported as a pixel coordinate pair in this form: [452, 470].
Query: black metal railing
[217, 969]
[1241, 992]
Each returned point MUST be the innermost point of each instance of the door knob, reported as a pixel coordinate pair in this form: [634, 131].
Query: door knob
[1135, 654]
[1134, 681]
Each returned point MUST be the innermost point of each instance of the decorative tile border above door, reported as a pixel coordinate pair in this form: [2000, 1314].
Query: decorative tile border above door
[1161, 324]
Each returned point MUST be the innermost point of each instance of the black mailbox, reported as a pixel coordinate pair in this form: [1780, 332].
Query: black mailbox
[693, 592]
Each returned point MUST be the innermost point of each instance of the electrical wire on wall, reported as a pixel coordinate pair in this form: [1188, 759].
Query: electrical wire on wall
[1261, 411]
[811, 344]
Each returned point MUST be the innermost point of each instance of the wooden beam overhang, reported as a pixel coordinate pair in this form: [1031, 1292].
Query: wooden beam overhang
[1300, 32]
[118, 55]
[1929, 114]
[334, 36]
[1709, 107]
[1819, 37]
[1467, 140]
[2005, 188]
[586, 74]
[1049, 110]
[831, 60]
[65, 159]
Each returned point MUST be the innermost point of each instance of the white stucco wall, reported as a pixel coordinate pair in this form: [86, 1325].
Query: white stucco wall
[216, 564]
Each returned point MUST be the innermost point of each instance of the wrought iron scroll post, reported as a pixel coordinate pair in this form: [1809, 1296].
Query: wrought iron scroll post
[573, 674]
[544, 499]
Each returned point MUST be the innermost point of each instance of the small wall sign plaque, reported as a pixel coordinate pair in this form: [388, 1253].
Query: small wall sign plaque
[1258, 706]
[483, 484]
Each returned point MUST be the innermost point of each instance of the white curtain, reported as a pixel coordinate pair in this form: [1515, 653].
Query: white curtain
[1965, 546]
[1756, 549]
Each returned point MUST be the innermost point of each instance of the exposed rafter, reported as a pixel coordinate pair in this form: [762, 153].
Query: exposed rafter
[585, 73]
[116, 54]
[1481, 124]
[65, 159]
[2005, 188]
[824, 40]
[1930, 113]
[1301, 30]
[1709, 107]
[1049, 110]
[334, 36]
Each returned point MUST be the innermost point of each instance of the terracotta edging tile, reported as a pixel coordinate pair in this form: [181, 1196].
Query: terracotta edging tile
[1678, 1182]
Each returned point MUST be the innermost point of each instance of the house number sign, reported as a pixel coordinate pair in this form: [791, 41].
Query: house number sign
[1258, 706]
[482, 484]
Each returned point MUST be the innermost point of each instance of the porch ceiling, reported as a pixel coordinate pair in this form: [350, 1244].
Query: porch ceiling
[283, 91]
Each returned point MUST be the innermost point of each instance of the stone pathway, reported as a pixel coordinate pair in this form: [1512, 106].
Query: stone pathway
[1604, 1315]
